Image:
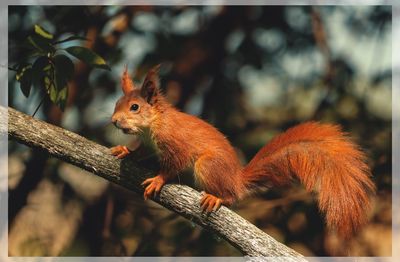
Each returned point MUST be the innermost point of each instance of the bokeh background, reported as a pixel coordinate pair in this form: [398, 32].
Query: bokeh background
[251, 71]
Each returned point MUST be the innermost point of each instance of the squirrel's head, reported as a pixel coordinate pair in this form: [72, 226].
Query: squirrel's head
[138, 107]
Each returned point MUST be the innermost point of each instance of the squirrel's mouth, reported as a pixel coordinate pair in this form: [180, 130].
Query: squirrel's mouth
[124, 129]
[128, 131]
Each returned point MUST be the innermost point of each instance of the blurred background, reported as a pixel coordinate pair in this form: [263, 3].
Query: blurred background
[251, 71]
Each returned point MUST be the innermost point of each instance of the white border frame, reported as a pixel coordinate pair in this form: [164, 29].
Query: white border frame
[395, 121]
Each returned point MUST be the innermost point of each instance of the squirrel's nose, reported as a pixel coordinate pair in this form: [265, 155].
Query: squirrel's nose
[114, 121]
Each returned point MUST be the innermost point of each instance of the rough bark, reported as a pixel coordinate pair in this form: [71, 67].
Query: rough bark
[129, 173]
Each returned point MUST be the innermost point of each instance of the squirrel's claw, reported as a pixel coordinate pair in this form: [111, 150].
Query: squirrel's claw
[210, 203]
[120, 151]
[153, 186]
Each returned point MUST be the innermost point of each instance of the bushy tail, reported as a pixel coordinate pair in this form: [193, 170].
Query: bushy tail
[324, 159]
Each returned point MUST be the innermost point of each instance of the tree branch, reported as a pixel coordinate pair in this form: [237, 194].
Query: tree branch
[129, 173]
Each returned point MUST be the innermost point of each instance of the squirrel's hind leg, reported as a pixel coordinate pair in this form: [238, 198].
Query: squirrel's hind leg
[210, 202]
[206, 170]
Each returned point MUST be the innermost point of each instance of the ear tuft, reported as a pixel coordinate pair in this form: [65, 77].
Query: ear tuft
[151, 84]
[126, 82]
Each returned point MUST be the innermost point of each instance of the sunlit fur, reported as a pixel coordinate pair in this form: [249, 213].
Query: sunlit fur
[133, 122]
[321, 156]
[126, 82]
[324, 159]
[127, 120]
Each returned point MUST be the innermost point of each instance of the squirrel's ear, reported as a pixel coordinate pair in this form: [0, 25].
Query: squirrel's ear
[126, 82]
[151, 84]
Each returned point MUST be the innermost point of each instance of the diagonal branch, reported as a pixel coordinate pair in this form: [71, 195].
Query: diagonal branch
[129, 173]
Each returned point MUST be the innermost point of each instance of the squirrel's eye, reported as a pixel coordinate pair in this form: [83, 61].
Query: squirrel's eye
[134, 107]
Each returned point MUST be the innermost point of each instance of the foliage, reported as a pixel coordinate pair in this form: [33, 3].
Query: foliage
[49, 67]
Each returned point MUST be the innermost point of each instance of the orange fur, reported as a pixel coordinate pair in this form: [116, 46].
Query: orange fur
[324, 159]
[321, 156]
[126, 82]
[199, 145]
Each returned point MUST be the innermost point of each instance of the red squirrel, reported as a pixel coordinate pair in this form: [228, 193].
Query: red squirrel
[321, 156]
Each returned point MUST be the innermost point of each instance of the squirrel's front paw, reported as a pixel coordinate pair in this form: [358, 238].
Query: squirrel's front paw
[153, 187]
[210, 203]
[120, 151]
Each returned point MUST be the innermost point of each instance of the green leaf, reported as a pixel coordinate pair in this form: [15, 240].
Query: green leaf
[42, 32]
[56, 85]
[26, 82]
[64, 66]
[21, 70]
[88, 56]
[57, 94]
[71, 38]
[62, 98]
[63, 72]
[39, 71]
[24, 77]
[41, 44]
[51, 88]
